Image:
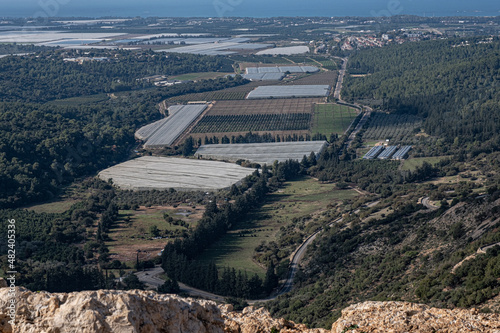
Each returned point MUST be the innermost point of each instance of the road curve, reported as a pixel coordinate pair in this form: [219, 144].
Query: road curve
[428, 204]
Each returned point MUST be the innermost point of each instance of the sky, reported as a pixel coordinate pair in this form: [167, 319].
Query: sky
[253, 8]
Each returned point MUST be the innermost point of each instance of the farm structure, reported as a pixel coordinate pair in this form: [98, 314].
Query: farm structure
[275, 73]
[164, 132]
[387, 153]
[384, 153]
[263, 153]
[289, 91]
[288, 50]
[402, 153]
[216, 48]
[160, 173]
[282, 69]
[373, 153]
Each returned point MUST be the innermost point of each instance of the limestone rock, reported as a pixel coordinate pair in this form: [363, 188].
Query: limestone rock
[252, 320]
[372, 317]
[106, 311]
[137, 311]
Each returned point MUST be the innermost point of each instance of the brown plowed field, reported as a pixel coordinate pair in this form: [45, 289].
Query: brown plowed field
[264, 106]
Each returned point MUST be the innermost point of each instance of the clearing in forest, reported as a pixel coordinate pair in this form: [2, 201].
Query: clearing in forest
[297, 199]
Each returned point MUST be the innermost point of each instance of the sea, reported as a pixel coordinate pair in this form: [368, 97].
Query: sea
[246, 8]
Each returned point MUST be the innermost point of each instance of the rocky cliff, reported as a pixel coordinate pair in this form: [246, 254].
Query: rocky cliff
[137, 311]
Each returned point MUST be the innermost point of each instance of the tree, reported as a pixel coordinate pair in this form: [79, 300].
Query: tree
[132, 282]
[154, 231]
[271, 280]
[170, 286]
[188, 146]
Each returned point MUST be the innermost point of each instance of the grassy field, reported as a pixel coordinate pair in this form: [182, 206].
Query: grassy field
[199, 76]
[53, 207]
[332, 118]
[131, 232]
[81, 100]
[297, 199]
[412, 163]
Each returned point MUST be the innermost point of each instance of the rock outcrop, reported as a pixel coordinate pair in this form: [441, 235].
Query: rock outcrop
[386, 317]
[136, 311]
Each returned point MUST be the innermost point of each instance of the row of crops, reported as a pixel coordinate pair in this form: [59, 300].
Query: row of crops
[393, 126]
[255, 122]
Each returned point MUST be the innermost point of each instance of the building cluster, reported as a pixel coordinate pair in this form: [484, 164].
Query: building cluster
[388, 152]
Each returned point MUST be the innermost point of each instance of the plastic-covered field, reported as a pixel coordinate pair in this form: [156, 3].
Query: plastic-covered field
[153, 172]
[164, 132]
[263, 153]
[289, 91]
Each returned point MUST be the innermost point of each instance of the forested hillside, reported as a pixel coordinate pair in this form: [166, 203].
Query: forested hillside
[45, 76]
[408, 255]
[399, 249]
[453, 84]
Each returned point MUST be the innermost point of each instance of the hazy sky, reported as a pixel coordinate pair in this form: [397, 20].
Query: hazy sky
[260, 8]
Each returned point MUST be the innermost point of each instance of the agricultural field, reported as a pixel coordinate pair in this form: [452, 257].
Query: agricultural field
[152, 172]
[274, 106]
[289, 91]
[262, 153]
[164, 132]
[329, 78]
[254, 123]
[305, 198]
[396, 127]
[288, 50]
[234, 93]
[332, 118]
[280, 117]
[132, 231]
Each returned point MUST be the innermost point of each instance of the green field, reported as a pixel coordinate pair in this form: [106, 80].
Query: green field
[53, 207]
[332, 118]
[411, 164]
[81, 100]
[296, 199]
[199, 76]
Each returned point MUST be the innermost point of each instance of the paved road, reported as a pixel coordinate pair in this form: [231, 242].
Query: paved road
[151, 279]
[340, 80]
[428, 204]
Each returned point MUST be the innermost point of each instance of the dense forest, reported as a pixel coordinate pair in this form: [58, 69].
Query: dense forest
[45, 76]
[452, 84]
